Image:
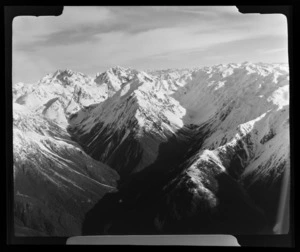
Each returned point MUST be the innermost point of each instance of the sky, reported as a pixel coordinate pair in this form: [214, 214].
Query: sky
[93, 39]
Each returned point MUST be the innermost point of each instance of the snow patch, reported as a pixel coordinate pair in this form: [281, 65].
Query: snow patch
[220, 84]
[280, 97]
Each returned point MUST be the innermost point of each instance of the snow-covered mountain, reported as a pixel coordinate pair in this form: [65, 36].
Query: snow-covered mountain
[55, 181]
[125, 131]
[235, 121]
[70, 91]
[187, 143]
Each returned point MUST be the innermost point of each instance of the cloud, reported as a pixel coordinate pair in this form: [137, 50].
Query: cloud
[93, 39]
[214, 51]
[204, 10]
[274, 50]
[29, 68]
[70, 18]
[78, 24]
[29, 31]
[84, 23]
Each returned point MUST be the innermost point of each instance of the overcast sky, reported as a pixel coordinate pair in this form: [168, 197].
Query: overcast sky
[93, 39]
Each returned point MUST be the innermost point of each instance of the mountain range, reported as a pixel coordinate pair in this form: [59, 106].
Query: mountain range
[199, 150]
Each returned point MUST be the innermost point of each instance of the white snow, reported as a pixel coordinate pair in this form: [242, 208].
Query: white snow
[227, 72]
[125, 135]
[162, 102]
[275, 78]
[280, 97]
[208, 156]
[174, 119]
[125, 89]
[220, 84]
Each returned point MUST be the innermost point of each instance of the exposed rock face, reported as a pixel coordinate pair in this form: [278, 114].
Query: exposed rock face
[197, 150]
[234, 126]
[55, 182]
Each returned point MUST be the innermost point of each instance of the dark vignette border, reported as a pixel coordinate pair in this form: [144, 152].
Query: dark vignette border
[11, 11]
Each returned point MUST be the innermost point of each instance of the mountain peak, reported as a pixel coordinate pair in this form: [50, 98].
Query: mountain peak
[119, 68]
[189, 127]
[64, 71]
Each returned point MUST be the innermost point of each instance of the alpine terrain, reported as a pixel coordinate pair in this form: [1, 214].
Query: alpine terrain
[171, 151]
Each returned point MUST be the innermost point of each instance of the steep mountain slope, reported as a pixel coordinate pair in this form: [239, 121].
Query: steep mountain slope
[71, 90]
[237, 116]
[250, 127]
[125, 130]
[198, 150]
[55, 182]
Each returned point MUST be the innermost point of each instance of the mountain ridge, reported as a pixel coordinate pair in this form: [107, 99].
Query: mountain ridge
[230, 123]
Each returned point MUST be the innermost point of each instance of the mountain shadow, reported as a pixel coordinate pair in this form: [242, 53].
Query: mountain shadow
[138, 205]
[137, 191]
[266, 194]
